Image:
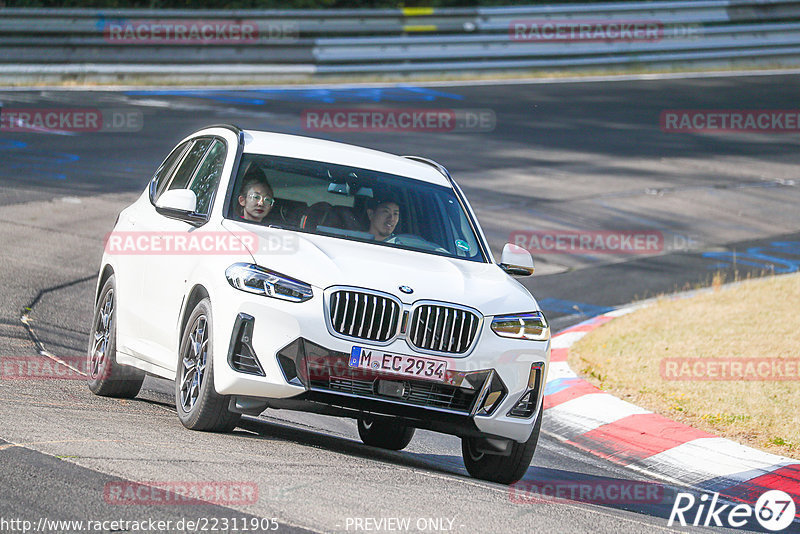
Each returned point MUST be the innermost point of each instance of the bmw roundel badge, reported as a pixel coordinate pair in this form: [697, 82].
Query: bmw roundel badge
[405, 289]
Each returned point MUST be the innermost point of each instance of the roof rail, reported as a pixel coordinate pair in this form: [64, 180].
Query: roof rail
[232, 127]
[438, 166]
[235, 129]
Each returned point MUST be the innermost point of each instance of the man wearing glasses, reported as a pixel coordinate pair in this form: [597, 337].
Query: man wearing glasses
[255, 196]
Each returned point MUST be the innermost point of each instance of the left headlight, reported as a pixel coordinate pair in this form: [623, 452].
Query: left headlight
[531, 326]
[260, 281]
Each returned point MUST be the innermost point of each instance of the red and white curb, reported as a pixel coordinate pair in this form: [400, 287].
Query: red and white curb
[583, 416]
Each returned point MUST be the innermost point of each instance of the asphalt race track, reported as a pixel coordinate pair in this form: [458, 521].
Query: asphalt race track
[578, 156]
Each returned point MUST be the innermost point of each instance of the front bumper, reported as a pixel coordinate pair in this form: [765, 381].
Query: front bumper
[301, 366]
[461, 404]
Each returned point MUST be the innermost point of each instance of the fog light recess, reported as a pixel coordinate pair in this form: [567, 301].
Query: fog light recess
[241, 356]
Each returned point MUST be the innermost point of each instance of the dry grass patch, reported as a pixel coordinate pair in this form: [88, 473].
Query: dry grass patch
[755, 319]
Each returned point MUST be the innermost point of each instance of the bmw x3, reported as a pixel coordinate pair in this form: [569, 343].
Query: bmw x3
[268, 271]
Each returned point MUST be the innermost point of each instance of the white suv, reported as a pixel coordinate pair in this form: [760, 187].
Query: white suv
[261, 270]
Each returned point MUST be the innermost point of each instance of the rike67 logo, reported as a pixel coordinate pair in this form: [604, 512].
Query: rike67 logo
[774, 510]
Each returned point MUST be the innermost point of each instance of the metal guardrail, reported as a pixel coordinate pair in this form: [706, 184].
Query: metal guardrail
[89, 41]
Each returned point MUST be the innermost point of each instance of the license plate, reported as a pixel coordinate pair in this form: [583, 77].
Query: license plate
[398, 364]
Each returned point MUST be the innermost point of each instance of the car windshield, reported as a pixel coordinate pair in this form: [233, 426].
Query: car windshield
[352, 203]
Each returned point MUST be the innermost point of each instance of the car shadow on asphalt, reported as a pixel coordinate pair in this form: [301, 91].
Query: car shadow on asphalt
[540, 485]
[266, 429]
[273, 431]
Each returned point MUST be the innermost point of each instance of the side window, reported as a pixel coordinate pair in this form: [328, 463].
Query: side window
[161, 176]
[205, 180]
[189, 164]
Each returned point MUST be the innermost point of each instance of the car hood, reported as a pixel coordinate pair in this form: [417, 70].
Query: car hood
[324, 261]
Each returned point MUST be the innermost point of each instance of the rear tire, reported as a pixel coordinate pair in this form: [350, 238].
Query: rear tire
[497, 468]
[105, 376]
[198, 404]
[384, 434]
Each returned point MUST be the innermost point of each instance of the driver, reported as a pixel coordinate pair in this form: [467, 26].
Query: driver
[255, 196]
[383, 218]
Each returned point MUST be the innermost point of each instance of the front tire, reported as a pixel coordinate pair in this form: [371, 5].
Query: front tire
[384, 434]
[497, 468]
[198, 404]
[105, 376]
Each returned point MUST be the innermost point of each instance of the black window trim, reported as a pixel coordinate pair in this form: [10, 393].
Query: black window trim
[199, 164]
[194, 218]
[236, 161]
[226, 208]
[195, 140]
[152, 187]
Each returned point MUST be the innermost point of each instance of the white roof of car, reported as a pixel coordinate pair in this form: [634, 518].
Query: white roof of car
[309, 148]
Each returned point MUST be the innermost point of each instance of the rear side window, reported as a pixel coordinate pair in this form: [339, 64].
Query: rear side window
[186, 170]
[161, 177]
[205, 181]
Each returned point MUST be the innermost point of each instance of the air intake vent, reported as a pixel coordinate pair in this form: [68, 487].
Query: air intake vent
[241, 355]
[527, 404]
[442, 328]
[364, 315]
[524, 407]
[415, 393]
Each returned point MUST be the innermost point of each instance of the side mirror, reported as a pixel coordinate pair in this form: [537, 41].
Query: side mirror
[180, 204]
[516, 261]
[178, 200]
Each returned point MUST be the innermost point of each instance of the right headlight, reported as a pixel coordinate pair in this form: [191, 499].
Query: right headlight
[260, 281]
[531, 326]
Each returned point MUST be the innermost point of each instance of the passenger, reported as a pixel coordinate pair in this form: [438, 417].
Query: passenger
[255, 196]
[383, 218]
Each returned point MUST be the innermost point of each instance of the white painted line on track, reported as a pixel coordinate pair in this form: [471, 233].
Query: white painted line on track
[44, 352]
[704, 459]
[593, 410]
[564, 341]
[428, 83]
[694, 463]
[559, 370]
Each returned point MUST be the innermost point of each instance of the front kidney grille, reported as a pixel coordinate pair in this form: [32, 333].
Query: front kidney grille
[364, 315]
[442, 328]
